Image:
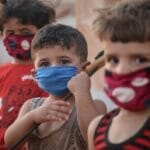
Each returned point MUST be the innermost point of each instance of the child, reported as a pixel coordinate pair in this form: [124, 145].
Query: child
[20, 20]
[58, 52]
[124, 32]
[87, 8]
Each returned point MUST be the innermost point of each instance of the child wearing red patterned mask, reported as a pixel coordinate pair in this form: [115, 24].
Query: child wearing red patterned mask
[18, 24]
[125, 35]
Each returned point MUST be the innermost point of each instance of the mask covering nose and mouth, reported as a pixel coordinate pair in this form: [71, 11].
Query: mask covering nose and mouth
[19, 46]
[130, 91]
[54, 79]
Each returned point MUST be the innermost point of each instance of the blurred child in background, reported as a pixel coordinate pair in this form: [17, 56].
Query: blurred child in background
[19, 21]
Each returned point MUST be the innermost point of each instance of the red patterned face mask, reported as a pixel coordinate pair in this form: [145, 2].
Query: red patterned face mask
[19, 46]
[130, 91]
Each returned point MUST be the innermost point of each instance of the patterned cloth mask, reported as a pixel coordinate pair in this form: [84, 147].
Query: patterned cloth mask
[54, 79]
[130, 91]
[19, 46]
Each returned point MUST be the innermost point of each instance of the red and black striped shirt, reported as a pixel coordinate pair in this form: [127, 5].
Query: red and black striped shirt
[140, 141]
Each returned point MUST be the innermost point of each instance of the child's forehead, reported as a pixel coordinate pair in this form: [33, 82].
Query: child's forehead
[126, 48]
[56, 50]
[15, 23]
[108, 3]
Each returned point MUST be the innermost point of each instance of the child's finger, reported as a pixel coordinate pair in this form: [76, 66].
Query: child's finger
[60, 102]
[61, 109]
[60, 106]
[54, 115]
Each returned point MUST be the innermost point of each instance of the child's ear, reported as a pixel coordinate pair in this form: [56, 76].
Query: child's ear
[33, 72]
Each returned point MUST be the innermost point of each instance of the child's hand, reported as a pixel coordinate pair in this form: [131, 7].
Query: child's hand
[51, 111]
[80, 83]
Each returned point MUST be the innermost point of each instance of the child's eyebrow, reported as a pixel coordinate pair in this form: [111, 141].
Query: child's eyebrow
[64, 57]
[140, 55]
[9, 29]
[43, 59]
[24, 29]
[144, 56]
[110, 55]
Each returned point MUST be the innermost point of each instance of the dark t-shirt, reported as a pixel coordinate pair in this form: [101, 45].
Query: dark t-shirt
[140, 141]
[65, 136]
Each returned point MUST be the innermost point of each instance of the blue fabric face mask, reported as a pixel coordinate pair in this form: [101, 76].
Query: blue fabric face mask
[54, 79]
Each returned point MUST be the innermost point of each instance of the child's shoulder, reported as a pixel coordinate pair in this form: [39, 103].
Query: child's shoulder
[100, 119]
[5, 68]
[95, 122]
[36, 102]
[91, 129]
[16, 71]
[32, 103]
[8, 66]
[5, 65]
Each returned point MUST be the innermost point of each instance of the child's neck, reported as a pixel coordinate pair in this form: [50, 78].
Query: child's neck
[130, 114]
[70, 99]
[22, 62]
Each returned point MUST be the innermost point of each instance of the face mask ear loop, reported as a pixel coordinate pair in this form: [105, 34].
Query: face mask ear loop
[33, 72]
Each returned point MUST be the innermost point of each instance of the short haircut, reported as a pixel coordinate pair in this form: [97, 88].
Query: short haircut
[128, 21]
[108, 3]
[62, 35]
[28, 12]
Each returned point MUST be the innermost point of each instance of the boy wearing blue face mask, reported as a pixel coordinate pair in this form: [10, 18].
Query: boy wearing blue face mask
[19, 23]
[124, 32]
[58, 52]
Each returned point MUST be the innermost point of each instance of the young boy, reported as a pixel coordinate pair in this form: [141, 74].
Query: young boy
[20, 20]
[58, 52]
[124, 32]
[86, 8]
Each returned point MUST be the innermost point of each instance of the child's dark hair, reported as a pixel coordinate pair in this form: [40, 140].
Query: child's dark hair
[3, 1]
[126, 22]
[62, 35]
[33, 12]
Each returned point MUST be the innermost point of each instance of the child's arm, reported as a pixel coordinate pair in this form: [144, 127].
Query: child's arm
[20, 126]
[87, 109]
[91, 131]
[53, 110]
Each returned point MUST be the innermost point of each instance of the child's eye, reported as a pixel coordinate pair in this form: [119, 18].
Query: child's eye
[64, 62]
[26, 33]
[112, 60]
[9, 32]
[141, 60]
[44, 64]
